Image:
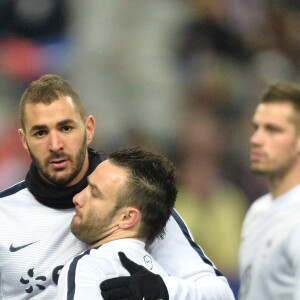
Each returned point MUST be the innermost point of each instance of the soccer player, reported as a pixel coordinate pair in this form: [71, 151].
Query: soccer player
[128, 201]
[269, 253]
[35, 214]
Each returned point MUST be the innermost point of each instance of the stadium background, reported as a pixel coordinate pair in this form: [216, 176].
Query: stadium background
[181, 77]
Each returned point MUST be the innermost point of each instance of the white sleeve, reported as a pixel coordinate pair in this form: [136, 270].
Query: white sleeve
[205, 288]
[193, 275]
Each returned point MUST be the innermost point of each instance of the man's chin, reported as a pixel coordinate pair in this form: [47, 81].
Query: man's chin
[75, 228]
[60, 179]
[76, 221]
[258, 171]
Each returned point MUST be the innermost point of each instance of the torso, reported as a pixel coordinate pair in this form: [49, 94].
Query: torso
[269, 254]
[35, 244]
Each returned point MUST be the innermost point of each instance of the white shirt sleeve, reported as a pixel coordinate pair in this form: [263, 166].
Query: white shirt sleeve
[193, 274]
[206, 288]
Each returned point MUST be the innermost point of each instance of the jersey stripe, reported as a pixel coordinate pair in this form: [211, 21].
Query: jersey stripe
[13, 189]
[72, 274]
[196, 247]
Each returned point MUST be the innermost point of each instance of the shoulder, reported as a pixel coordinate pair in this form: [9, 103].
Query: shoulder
[256, 214]
[13, 189]
[103, 262]
[102, 258]
[88, 266]
[179, 254]
[259, 205]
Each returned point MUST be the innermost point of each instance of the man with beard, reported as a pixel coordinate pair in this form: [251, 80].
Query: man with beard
[35, 236]
[269, 254]
[128, 201]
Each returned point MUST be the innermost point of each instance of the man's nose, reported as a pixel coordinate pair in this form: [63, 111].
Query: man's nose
[257, 137]
[78, 199]
[55, 143]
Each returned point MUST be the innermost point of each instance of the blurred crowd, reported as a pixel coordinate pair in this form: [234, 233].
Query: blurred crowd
[179, 76]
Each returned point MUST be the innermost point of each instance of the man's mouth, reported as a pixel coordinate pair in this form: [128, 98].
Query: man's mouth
[59, 163]
[256, 156]
[77, 213]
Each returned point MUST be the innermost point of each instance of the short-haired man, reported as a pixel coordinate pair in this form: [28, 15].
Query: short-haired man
[269, 254]
[35, 236]
[127, 203]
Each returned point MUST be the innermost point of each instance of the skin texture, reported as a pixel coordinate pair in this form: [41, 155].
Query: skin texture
[97, 221]
[52, 134]
[275, 146]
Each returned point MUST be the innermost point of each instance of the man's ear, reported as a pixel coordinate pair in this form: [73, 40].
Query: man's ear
[130, 218]
[22, 137]
[90, 128]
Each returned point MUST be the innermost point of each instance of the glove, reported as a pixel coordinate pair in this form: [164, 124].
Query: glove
[141, 285]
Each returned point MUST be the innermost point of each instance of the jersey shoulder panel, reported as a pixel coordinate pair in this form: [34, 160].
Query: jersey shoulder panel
[13, 189]
[179, 254]
[258, 206]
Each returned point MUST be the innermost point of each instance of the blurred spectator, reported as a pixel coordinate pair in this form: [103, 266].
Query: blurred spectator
[33, 41]
[127, 66]
[212, 206]
[33, 38]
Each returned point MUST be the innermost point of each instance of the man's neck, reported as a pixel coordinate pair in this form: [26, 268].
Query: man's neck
[116, 235]
[280, 185]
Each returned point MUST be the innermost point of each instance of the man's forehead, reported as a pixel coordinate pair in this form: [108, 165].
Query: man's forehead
[275, 114]
[60, 101]
[275, 109]
[110, 171]
[60, 110]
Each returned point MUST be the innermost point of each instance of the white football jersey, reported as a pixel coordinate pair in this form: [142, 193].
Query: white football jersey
[270, 249]
[81, 277]
[36, 242]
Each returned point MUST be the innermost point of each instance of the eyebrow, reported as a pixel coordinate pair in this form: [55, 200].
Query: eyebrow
[66, 122]
[37, 128]
[59, 124]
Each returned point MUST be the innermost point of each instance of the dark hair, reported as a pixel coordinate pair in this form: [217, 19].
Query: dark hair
[282, 92]
[46, 89]
[151, 188]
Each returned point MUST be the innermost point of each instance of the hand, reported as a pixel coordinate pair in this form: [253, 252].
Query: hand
[141, 285]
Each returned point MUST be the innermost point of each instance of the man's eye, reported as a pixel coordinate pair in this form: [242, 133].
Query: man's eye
[95, 194]
[273, 129]
[66, 129]
[92, 192]
[40, 133]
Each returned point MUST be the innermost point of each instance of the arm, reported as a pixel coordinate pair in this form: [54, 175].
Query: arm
[205, 288]
[193, 275]
[196, 277]
[143, 283]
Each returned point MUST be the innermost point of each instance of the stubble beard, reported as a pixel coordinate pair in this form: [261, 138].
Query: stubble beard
[76, 165]
[257, 170]
[94, 229]
[271, 171]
